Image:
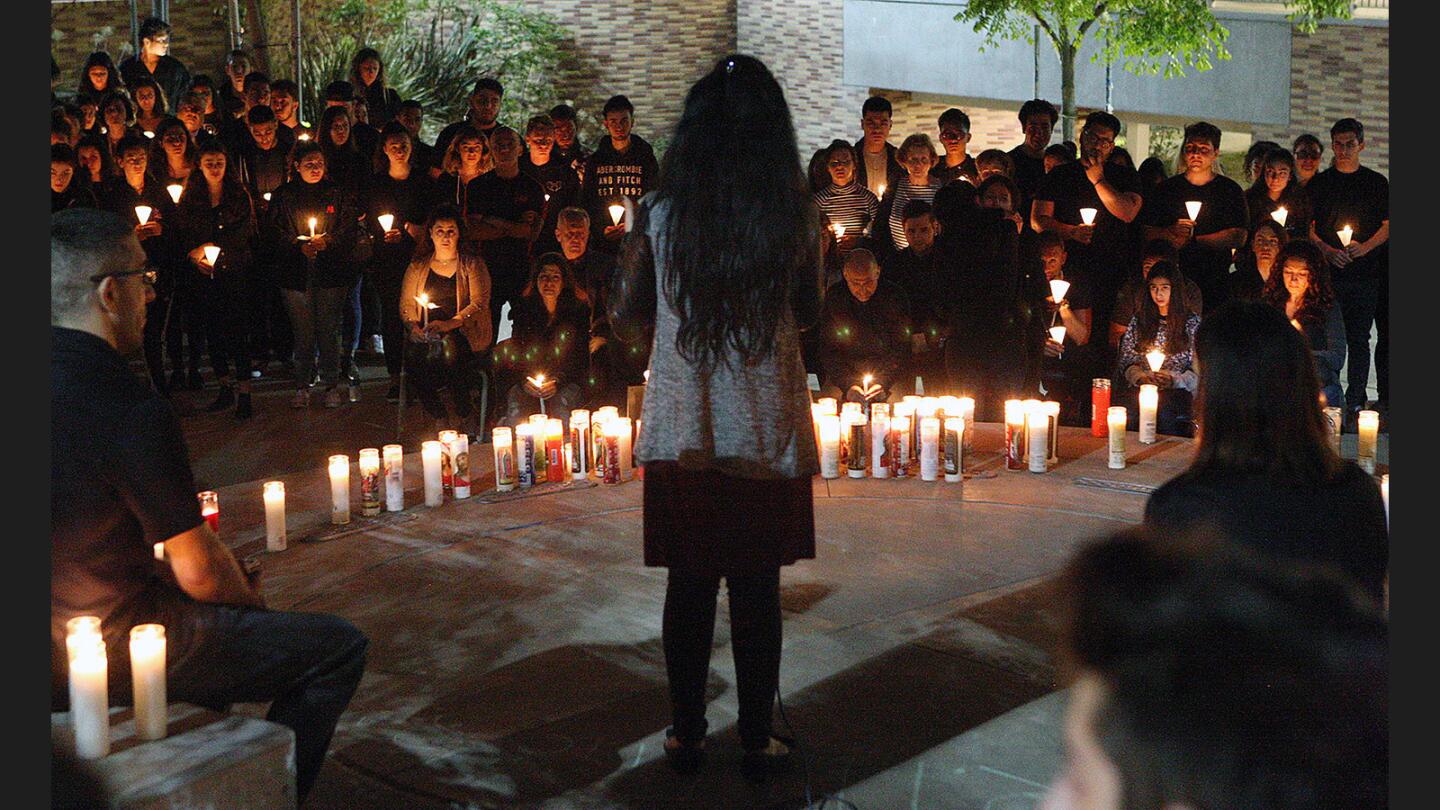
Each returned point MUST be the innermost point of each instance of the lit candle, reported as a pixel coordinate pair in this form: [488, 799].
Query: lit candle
[394, 458]
[385, 220]
[1369, 429]
[880, 443]
[839, 231]
[1117, 437]
[502, 440]
[159, 551]
[312, 227]
[1014, 434]
[967, 412]
[580, 444]
[1385, 497]
[447, 462]
[1155, 358]
[815, 413]
[1346, 234]
[275, 537]
[1279, 215]
[1058, 288]
[828, 405]
[1299, 328]
[929, 448]
[900, 443]
[370, 481]
[339, 489]
[598, 420]
[537, 381]
[147, 677]
[142, 213]
[1099, 404]
[1039, 425]
[616, 212]
[89, 693]
[1149, 405]
[537, 434]
[212, 254]
[829, 445]
[1087, 215]
[613, 429]
[555, 466]
[81, 631]
[1057, 334]
[1051, 410]
[865, 383]
[175, 190]
[304, 136]
[881, 193]
[954, 449]
[266, 195]
[859, 445]
[1029, 406]
[1193, 208]
[430, 452]
[625, 429]
[423, 299]
[1335, 420]
[210, 508]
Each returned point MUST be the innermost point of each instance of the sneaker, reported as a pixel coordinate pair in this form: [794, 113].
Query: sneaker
[302, 398]
[334, 398]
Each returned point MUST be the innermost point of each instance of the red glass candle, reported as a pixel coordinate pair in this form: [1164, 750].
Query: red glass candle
[210, 508]
[1099, 407]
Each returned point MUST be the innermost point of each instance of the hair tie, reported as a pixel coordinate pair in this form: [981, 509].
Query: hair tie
[729, 65]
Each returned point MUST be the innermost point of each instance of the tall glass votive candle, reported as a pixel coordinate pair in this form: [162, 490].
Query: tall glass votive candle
[339, 489]
[502, 441]
[1116, 417]
[431, 453]
[393, 456]
[275, 536]
[210, 508]
[147, 677]
[369, 465]
[1368, 425]
[1149, 408]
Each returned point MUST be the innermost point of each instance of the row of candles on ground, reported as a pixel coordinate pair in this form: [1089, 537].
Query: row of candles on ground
[90, 684]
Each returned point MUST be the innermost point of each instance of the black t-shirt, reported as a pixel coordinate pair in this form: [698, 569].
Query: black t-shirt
[1361, 200]
[407, 201]
[120, 482]
[946, 173]
[561, 187]
[1103, 260]
[1029, 171]
[1222, 206]
[170, 74]
[1340, 523]
[1245, 284]
[507, 257]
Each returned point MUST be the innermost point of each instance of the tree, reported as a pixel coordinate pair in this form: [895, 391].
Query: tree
[1144, 36]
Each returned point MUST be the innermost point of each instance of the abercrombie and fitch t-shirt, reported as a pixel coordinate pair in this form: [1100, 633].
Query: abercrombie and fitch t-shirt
[610, 176]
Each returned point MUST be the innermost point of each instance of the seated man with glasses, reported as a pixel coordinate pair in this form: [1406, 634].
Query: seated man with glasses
[1205, 240]
[121, 483]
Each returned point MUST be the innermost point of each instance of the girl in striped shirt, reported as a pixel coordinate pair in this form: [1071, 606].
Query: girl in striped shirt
[917, 154]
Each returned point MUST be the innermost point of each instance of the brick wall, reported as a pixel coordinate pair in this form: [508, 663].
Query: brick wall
[649, 50]
[200, 39]
[1337, 72]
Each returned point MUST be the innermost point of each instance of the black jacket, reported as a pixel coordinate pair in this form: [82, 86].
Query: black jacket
[335, 212]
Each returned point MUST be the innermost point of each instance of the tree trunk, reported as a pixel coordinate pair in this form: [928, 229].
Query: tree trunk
[1067, 90]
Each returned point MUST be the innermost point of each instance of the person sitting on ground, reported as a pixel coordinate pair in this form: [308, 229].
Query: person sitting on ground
[1136, 289]
[1204, 677]
[443, 339]
[1264, 470]
[1066, 366]
[864, 331]
[548, 349]
[120, 484]
[1300, 286]
[1256, 263]
[1163, 323]
[615, 363]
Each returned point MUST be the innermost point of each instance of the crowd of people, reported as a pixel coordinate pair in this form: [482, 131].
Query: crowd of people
[940, 265]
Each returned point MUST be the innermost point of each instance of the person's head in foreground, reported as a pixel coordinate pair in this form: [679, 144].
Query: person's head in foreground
[99, 280]
[1205, 676]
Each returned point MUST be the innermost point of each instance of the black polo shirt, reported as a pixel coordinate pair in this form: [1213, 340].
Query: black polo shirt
[120, 482]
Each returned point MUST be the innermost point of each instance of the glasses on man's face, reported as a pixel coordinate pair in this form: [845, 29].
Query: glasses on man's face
[951, 135]
[147, 274]
[1090, 137]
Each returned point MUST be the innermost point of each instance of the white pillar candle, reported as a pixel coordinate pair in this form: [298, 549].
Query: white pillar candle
[1052, 415]
[1014, 434]
[275, 537]
[502, 441]
[369, 465]
[1369, 429]
[81, 631]
[1116, 417]
[394, 458]
[1039, 442]
[954, 449]
[613, 470]
[579, 444]
[880, 444]
[447, 462]
[1192, 207]
[1149, 406]
[89, 696]
[627, 442]
[967, 412]
[829, 445]
[1385, 497]
[339, 488]
[828, 405]
[147, 676]
[900, 445]
[929, 448]
[430, 453]
[1335, 420]
[597, 443]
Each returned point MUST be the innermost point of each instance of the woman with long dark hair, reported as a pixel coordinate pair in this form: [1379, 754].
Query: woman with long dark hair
[724, 256]
[173, 155]
[118, 117]
[343, 162]
[1163, 323]
[550, 336]
[367, 76]
[1264, 471]
[441, 341]
[96, 163]
[1299, 286]
[401, 191]
[847, 207]
[1276, 186]
[69, 183]
[1256, 263]
[150, 104]
[98, 77]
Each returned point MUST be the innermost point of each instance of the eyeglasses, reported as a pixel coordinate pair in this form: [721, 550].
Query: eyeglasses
[951, 134]
[148, 274]
[1090, 136]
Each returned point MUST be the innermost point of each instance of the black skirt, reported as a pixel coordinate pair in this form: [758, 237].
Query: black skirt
[706, 523]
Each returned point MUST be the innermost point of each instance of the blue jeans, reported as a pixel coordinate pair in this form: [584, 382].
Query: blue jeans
[315, 320]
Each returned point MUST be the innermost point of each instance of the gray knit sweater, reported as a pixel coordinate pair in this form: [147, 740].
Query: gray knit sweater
[745, 421]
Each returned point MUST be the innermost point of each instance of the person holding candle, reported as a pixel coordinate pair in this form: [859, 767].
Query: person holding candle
[400, 191]
[120, 482]
[1276, 186]
[1255, 265]
[955, 164]
[622, 167]
[1136, 289]
[727, 414]
[173, 152]
[263, 165]
[915, 272]
[1164, 324]
[1204, 241]
[1067, 367]
[1349, 194]
[1264, 472]
[548, 349]
[847, 207]
[505, 212]
[315, 274]
[217, 213]
[559, 183]
[876, 164]
[98, 77]
[864, 331]
[154, 64]
[1300, 287]
[149, 104]
[441, 346]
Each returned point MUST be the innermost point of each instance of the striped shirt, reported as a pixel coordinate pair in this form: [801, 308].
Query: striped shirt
[852, 206]
[903, 194]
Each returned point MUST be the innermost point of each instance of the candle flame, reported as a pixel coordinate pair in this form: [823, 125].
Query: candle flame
[882, 190]
[839, 230]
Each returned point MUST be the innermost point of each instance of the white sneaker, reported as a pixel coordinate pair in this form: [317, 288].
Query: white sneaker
[302, 398]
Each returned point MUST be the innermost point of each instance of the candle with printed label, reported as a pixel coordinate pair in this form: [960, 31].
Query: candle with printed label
[210, 508]
[580, 444]
[1014, 434]
[394, 457]
[1099, 405]
[1149, 406]
[502, 440]
[954, 449]
[369, 465]
[1038, 425]
[929, 448]
[829, 445]
[1368, 426]
[1116, 418]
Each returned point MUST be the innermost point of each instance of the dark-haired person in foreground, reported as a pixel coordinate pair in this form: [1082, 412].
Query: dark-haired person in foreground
[1206, 677]
[1264, 473]
[120, 482]
[876, 165]
[1037, 121]
[730, 351]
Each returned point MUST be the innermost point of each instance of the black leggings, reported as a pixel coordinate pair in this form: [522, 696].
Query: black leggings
[688, 632]
[430, 374]
[226, 303]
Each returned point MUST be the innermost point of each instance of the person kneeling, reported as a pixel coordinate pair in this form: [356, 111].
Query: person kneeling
[864, 331]
[549, 344]
[1164, 324]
